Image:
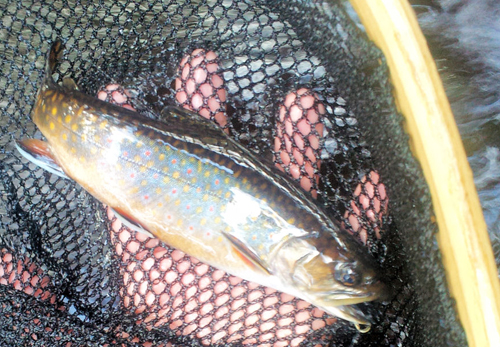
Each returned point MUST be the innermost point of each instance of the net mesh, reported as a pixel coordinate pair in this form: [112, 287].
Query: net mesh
[295, 82]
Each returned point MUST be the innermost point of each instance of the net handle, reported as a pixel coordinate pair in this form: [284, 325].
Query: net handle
[435, 141]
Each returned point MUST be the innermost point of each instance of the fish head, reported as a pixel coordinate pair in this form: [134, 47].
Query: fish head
[330, 272]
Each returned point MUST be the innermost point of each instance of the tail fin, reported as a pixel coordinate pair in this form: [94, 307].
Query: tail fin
[54, 55]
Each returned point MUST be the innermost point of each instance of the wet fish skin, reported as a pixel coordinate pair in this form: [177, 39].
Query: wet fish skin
[184, 180]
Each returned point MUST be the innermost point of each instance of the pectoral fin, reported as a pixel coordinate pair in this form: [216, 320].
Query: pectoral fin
[130, 222]
[246, 254]
[38, 152]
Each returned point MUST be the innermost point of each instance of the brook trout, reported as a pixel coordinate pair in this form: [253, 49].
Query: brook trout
[185, 181]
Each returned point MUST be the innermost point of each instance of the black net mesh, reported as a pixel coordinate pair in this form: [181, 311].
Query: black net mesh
[295, 82]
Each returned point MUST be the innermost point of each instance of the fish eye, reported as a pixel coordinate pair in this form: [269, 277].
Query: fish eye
[345, 274]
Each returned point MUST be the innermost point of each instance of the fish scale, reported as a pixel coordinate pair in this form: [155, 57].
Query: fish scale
[185, 181]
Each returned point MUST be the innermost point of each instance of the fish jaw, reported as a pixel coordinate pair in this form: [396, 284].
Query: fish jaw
[328, 274]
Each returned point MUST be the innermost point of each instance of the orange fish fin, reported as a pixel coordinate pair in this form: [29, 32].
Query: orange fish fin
[38, 152]
[130, 222]
[246, 254]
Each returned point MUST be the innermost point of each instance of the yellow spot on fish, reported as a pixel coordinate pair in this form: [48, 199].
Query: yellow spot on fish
[54, 111]
[237, 174]
[177, 202]
[183, 162]
[137, 158]
[179, 222]
[203, 221]
[160, 204]
[165, 169]
[227, 195]
[246, 227]
[82, 159]
[226, 180]
[64, 136]
[142, 169]
[93, 150]
[261, 247]
[73, 150]
[59, 119]
[103, 124]
[217, 220]
[223, 208]
[80, 111]
[84, 137]
[205, 197]
[158, 190]
[291, 221]
[199, 209]
[193, 180]
[52, 126]
[244, 180]
[134, 190]
[67, 119]
[263, 186]
[167, 198]
[176, 175]
[97, 138]
[192, 160]
[144, 182]
[74, 127]
[228, 229]
[207, 173]
[44, 108]
[220, 239]
[139, 144]
[186, 188]
[150, 163]
[161, 156]
[73, 137]
[166, 179]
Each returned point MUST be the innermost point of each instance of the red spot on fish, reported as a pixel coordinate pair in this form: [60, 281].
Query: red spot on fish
[146, 197]
[132, 175]
[198, 190]
[188, 207]
[208, 233]
[169, 217]
[217, 182]
[271, 235]
[174, 191]
[191, 228]
[174, 161]
[109, 139]
[211, 208]
[125, 153]
[155, 175]
[189, 171]
[147, 153]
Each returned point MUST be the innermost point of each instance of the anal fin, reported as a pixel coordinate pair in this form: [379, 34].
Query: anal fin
[38, 152]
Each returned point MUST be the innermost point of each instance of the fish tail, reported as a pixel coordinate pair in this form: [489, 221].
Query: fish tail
[54, 55]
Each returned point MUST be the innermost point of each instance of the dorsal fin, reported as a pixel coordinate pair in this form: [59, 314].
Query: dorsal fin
[54, 55]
